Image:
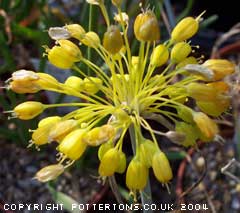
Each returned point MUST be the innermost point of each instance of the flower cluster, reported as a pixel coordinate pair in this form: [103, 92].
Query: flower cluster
[157, 84]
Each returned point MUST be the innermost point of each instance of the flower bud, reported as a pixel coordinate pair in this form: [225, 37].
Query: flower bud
[180, 51]
[28, 110]
[185, 29]
[91, 39]
[146, 27]
[207, 126]
[92, 85]
[75, 31]
[99, 135]
[159, 56]
[186, 61]
[112, 40]
[122, 164]
[72, 145]
[220, 67]
[109, 163]
[147, 149]
[103, 149]
[137, 175]
[161, 167]
[75, 83]
[50, 172]
[61, 129]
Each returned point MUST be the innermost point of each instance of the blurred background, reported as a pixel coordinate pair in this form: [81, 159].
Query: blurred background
[23, 32]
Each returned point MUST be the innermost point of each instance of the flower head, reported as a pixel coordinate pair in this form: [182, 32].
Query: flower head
[162, 82]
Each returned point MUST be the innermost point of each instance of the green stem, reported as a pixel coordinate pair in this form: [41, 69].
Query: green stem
[146, 194]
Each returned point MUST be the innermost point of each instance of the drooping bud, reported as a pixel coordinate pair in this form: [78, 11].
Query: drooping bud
[220, 67]
[112, 40]
[176, 137]
[161, 167]
[159, 56]
[50, 172]
[180, 51]
[137, 175]
[109, 162]
[28, 110]
[146, 27]
[72, 145]
[49, 121]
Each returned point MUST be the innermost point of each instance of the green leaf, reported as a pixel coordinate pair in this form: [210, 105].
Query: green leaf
[64, 199]
[176, 155]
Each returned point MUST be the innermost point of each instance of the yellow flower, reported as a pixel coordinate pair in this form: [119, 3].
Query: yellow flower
[185, 29]
[75, 30]
[61, 129]
[180, 51]
[159, 56]
[161, 167]
[137, 175]
[109, 163]
[99, 135]
[91, 39]
[28, 110]
[50, 172]
[73, 146]
[207, 126]
[75, 83]
[220, 67]
[64, 55]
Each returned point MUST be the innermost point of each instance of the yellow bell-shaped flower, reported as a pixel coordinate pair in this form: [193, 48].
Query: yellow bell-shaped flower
[50, 172]
[28, 110]
[109, 162]
[72, 145]
[137, 175]
[161, 167]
